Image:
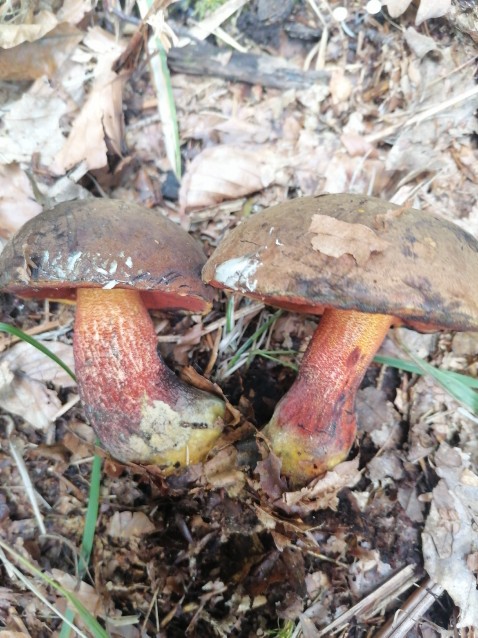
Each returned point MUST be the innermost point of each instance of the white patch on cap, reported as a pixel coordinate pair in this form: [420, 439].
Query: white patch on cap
[72, 259]
[111, 284]
[113, 267]
[238, 273]
[129, 262]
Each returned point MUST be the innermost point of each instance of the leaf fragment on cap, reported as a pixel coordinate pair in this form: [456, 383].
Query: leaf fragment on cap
[335, 238]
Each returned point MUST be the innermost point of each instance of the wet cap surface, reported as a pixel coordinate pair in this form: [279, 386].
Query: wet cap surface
[105, 244]
[353, 252]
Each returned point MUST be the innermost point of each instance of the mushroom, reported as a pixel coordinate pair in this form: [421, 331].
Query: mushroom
[364, 265]
[117, 259]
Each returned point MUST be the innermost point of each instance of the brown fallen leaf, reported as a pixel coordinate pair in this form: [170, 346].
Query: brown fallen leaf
[98, 128]
[335, 238]
[24, 370]
[31, 60]
[127, 524]
[12, 35]
[224, 172]
[322, 493]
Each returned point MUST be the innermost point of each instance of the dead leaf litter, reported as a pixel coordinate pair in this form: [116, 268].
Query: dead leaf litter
[380, 101]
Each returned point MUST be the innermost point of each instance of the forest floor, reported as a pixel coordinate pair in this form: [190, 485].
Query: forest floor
[272, 101]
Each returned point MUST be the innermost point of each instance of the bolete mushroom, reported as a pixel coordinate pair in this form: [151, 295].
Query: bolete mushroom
[117, 259]
[364, 265]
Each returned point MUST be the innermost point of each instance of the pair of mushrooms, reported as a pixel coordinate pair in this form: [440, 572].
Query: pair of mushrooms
[363, 264]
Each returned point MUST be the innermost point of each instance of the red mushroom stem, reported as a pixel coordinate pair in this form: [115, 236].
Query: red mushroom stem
[313, 426]
[138, 407]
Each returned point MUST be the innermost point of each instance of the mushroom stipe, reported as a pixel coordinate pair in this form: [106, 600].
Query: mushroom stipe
[364, 265]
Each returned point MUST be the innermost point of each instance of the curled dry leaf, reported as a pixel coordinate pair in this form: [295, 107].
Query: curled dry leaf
[224, 172]
[322, 493]
[419, 43]
[17, 203]
[101, 114]
[397, 7]
[335, 238]
[432, 9]
[428, 8]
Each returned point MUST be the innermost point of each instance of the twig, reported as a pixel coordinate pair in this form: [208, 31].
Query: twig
[411, 611]
[424, 115]
[379, 598]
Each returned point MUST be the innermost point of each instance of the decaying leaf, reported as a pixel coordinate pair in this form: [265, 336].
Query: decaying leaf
[13, 34]
[450, 536]
[98, 128]
[335, 238]
[31, 60]
[24, 370]
[419, 43]
[322, 493]
[17, 203]
[397, 7]
[85, 593]
[426, 10]
[128, 524]
[224, 172]
[31, 125]
[432, 9]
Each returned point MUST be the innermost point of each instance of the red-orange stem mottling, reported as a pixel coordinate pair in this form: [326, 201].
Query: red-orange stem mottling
[120, 374]
[314, 426]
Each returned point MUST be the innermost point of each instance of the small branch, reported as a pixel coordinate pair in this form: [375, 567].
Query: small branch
[202, 58]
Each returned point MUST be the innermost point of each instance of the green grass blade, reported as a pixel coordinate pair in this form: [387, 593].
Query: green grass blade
[164, 94]
[458, 385]
[88, 534]
[88, 619]
[16, 332]
[94, 492]
[248, 343]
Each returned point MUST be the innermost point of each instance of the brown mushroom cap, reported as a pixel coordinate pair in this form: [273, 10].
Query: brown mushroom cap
[107, 244]
[416, 266]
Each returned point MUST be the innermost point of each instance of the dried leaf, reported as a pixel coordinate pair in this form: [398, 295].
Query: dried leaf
[269, 476]
[432, 9]
[31, 125]
[335, 238]
[84, 592]
[419, 43]
[72, 11]
[322, 493]
[28, 361]
[397, 7]
[224, 172]
[128, 524]
[99, 126]
[450, 534]
[24, 370]
[17, 203]
[31, 60]
[12, 35]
